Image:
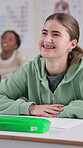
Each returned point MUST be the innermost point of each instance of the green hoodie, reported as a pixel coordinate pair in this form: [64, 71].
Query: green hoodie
[31, 83]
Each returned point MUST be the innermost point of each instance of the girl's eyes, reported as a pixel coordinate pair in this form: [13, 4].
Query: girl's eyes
[44, 33]
[53, 35]
[4, 38]
[56, 34]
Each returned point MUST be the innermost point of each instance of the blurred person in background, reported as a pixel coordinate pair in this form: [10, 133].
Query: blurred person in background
[11, 58]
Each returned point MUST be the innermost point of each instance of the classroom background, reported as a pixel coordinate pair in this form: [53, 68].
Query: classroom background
[27, 17]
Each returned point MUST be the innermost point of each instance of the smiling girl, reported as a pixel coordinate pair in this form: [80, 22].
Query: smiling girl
[53, 82]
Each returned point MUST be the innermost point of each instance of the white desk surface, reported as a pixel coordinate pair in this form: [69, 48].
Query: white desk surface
[68, 136]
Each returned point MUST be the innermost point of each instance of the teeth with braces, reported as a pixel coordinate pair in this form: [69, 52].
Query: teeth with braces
[48, 47]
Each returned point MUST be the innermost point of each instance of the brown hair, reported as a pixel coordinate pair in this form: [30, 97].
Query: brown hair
[72, 26]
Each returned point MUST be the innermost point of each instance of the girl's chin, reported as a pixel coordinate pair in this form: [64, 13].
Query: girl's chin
[46, 53]
[46, 56]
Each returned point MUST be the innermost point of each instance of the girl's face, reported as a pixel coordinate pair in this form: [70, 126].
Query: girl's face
[55, 41]
[8, 42]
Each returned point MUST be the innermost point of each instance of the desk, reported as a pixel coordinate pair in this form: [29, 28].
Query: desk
[55, 138]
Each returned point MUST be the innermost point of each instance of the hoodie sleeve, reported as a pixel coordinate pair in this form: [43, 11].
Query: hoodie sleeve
[75, 108]
[12, 91]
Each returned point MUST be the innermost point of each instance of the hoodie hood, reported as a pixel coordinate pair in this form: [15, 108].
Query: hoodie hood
[72, 71]
[39, 62]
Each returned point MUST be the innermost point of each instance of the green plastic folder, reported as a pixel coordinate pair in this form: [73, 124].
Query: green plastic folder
[24, 124]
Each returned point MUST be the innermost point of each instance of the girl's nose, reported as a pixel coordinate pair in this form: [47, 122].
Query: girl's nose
[48, 39]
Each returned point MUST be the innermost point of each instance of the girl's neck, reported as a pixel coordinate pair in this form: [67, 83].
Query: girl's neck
[56, 67]
[6, 55]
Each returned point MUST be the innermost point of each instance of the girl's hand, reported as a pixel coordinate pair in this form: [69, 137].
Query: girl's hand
[46, 110]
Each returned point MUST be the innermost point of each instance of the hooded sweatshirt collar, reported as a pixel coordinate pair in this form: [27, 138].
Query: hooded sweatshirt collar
[71, 72]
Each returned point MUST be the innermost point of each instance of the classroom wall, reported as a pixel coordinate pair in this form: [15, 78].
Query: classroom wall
[26, 17]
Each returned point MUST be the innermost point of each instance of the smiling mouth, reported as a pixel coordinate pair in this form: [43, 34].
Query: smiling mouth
[4, 45]
[48, 47]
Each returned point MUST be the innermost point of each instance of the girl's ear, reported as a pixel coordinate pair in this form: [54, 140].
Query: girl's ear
[16, 46]
[73, 44]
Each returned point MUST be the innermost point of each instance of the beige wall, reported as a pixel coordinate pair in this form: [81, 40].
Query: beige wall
[35, 52]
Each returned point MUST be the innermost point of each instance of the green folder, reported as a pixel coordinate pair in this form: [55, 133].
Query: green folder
[24, 124]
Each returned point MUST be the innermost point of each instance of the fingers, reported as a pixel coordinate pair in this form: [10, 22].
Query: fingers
[48, 115]
[46, 110]
[53, 110]
[56, 105]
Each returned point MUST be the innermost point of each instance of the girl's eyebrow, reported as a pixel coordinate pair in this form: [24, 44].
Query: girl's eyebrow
[54, 31]
[44, 30]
